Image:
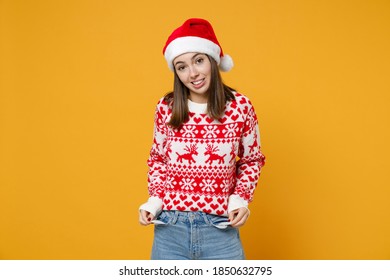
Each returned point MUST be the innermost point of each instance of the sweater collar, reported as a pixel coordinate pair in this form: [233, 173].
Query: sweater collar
[200, 108]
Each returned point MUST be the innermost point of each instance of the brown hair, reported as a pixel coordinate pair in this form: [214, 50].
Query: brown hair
[219, 94]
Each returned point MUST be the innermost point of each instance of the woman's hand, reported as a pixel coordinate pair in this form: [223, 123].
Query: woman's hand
[238, 217]
[145, 217]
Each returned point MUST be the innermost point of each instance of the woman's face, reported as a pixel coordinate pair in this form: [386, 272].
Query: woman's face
[194, 71]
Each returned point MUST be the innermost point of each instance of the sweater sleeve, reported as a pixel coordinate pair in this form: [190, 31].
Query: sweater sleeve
[249, 165]
[157, 162]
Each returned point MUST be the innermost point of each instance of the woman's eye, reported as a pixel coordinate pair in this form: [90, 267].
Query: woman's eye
[180, 68]
[199, 60]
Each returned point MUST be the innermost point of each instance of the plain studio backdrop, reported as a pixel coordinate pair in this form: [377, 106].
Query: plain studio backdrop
[79, 81]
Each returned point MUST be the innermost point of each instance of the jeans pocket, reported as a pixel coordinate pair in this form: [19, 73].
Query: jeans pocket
[219, 221]
[162, 219]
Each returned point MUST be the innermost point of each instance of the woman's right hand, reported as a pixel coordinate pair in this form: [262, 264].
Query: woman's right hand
[145, 217]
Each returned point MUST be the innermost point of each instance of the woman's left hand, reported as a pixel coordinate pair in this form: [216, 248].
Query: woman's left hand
[238, 217]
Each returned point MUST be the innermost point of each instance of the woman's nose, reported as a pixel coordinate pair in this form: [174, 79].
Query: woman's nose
[193, 71]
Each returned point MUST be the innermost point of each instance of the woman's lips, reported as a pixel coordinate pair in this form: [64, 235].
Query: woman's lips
[198, 83]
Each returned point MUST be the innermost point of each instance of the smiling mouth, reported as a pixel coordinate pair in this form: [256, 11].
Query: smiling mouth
[196, 83]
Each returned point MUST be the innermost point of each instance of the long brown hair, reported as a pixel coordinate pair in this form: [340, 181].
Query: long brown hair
[218, 95]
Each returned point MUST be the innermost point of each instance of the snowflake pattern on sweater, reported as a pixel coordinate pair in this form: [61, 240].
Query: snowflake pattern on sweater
[199, 166]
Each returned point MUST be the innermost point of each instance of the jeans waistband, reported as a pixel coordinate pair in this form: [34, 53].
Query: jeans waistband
[195, 217]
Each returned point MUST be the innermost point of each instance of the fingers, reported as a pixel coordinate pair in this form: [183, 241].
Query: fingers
[145, 217]
[238, 217]
[232, 215]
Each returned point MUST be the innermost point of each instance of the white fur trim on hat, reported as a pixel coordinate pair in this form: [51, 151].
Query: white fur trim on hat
[187, 44]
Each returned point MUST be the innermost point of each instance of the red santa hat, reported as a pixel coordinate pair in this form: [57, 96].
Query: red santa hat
[196, 35]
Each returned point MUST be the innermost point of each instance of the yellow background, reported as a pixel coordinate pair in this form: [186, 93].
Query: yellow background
[79, 81]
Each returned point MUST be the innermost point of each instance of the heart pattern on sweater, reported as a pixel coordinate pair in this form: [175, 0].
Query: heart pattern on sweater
[194, 167]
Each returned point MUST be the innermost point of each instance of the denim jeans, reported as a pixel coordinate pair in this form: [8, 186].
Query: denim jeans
[195, 236]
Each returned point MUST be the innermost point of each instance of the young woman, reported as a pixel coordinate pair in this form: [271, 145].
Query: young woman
[205, 160]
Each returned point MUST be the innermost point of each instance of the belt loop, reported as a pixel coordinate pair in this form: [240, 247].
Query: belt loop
[175, 216]
[206, 218]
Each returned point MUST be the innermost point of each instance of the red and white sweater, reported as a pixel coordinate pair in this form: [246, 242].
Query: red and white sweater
[207, 165]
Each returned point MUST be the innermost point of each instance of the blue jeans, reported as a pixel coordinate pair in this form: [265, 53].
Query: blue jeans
[195, 236]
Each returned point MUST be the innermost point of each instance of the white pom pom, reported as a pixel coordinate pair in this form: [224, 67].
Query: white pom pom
[226, 63]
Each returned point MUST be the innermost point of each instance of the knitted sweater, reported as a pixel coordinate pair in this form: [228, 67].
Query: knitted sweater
[207, 165]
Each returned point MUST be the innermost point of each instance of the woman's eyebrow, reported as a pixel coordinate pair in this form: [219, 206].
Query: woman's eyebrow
[177, 62]
[195, 55]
